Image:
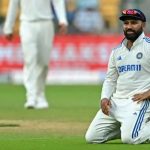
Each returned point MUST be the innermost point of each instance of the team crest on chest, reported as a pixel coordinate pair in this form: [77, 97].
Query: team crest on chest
[139, 55]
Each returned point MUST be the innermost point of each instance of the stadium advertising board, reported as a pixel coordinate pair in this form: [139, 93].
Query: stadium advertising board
[74, 58]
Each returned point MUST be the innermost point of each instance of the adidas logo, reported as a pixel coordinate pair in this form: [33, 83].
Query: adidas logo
[119, 58]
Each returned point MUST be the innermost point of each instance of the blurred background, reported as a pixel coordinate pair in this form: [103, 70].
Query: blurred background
[81, 56]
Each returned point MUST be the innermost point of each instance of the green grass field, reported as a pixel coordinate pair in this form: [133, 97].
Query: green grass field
[61, 127]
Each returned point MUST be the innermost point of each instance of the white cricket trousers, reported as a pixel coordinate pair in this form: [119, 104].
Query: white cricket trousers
[36, 40]
[127, 120]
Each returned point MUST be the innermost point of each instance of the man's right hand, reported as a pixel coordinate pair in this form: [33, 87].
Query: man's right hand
[9, 36]
[62, 28]
[105, 106]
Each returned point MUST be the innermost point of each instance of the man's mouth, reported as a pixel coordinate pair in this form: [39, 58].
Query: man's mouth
[130, 32]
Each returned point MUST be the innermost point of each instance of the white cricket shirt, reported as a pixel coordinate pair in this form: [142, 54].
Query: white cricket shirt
[34, 10]
[128, 70]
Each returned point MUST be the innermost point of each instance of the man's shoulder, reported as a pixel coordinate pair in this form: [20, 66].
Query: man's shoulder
[118, 47]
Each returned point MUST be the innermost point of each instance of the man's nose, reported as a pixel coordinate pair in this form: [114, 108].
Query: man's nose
[129, 26]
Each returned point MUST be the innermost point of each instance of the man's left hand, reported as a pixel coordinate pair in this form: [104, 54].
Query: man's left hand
[141, 96]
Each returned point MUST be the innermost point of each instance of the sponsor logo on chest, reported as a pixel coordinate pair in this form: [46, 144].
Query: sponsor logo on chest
[130, 67]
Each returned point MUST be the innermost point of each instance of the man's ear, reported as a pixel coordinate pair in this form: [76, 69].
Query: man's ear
[144, 24]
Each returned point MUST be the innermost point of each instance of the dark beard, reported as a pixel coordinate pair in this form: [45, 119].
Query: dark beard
[134, 36]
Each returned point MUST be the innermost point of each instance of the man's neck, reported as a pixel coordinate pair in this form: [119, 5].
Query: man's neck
[129, 44]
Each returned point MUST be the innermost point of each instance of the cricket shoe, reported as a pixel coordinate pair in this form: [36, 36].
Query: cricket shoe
[41, 104]
[30, 104]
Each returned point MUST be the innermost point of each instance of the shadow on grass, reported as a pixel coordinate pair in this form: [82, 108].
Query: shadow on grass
[4, 125]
